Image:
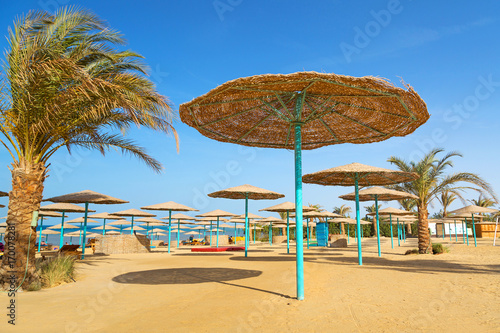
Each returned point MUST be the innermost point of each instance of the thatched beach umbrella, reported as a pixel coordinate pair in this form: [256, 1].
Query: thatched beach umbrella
[288, 207]
[271, 220]
[390, 212]
[104, 216]
[304, 110]
[120, 222]
[463, 218]
[148, 221]
[87, 197]
[378, 193]
[246, 192]
[216, 214]
[182, 219]
[308, 215]
[473, 209]
[133, 213]
[63, 208]
[41, 217]
[169, 206]
[358, 174]
[81, 221]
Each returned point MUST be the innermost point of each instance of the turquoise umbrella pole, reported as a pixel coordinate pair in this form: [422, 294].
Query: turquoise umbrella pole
[104, 227]
[463, 232]
[235, 233]
[71, 240]
[169, 229]
[254, 235]
[298, 201]
[61, 238]
[307, 233]
[132, 226]
[217, 234]
[80, 237]
[270, 233]
[390, 222]
[40, 236]
[474, 231]
[287, 231]
[399, 232]
[358, 221]
[84, 228]
[378, 225]
[178, 231]
[456, 237]
[246, 225]
[46, 238]
[449, 230]
[348, 233]
[211, 230]
[443, 230]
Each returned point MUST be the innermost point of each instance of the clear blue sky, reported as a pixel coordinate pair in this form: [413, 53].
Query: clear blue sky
[447, 51]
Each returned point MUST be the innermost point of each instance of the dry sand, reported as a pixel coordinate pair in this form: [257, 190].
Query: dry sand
[226, 292]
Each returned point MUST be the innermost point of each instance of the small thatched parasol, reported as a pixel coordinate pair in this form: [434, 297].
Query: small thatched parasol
[473, 209]
[86, 197]
[170, 206]
[218, 214]
[246, 192]
[378, 193]
[104, 216]
[133, 213]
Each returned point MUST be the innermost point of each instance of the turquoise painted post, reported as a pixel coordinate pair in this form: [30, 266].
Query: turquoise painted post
[80, 237]
[474, 231]
[61, 238]
[456, 237]
[358, 220]
[104, 227]
[287, 232]
[246, 225]
[121, 228]
[307, 233]
[449, 230]
[404, 232]
[399, 232]
[178, 231]
[390, 222]
[378, 225]
[254, 232]
[466, 232]
[169, 228]
[348, 234]
[235, 233]
[443, 230]
[46, 238]
[132, 226]
[217, 234]
[40, 236]
[84, 229]
[298, 202]
[463, 232]
[271, 233]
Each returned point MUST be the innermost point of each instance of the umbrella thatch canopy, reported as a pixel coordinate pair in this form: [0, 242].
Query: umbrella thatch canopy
[383, 194]
[51, 214]
[119, 222]
[112, 232]
[108, 227]
[133, 212]
[246, 191]
[392, 211]
[473, 209]
[180, 216]
[81, 220]
[170, 205]
[463, 216]
[64, 207]
[304, 110]
[271, 219]
[86, 197]
[135, 228]
[285, 207]
[250, 216]
[50, 232]
[58, 226]
[216, 214]
[105, 216]
[191, 233]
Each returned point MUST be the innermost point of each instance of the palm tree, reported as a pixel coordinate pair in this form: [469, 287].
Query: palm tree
[446, 198]
[431, 183]
[64, 85]
[343, 210]
[483, 202]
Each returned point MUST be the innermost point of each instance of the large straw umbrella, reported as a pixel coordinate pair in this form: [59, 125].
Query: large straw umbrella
[104, 216]
[304, 110]
[170, 206]
[133, 213]
[87, 197]
[246, 192]
[46, 233]
[473, 209]
[378, 193]
[63, 208]
[217, 214]
[358, 174]
[41, 217]
[81, 221]
[288, 207]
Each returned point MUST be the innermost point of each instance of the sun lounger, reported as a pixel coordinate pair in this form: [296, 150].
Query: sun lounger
[65, 250]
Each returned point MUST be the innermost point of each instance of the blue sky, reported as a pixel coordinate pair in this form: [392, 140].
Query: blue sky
[447, 52]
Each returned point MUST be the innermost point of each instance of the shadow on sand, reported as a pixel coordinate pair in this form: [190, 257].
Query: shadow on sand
[192, 275]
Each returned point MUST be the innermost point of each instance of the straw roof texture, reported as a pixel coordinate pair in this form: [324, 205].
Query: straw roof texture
[149, 220]
[81, 220]
[391, 211]
[170, 205]
[87, 196]
[286, 206]
[136, 227]
[472, 209]
[66, 226]
[463, 216]
[330, 214]
[368, 175]
[260, 110]
[119, 222]
[108, 227]
[250, 216]
[50, 214]
[241, 192]
[50, 232]
[133, 212]
[180, 216]
[106, 216]
[272, 219]
[216, 213]
[191, 233]
[112, 232]
[66, 207]
[349, 221]
[383, 194]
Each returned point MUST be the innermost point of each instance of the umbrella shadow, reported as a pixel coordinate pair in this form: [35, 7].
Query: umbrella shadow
[202, 254]
[425, 266]
[268, 258]
[192, 275]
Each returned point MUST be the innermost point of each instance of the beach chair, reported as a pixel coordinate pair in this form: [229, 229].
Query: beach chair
[65, 250]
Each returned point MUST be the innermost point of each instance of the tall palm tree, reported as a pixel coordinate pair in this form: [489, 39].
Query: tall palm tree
[343, 210]
[431, 183]
[483, 202]
[63, 84]
[446, 198]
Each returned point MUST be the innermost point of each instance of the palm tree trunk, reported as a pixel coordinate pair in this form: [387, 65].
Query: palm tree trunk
[424, 238]
[24, 199]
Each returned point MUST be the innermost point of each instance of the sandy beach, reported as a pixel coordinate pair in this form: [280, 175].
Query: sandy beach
[226, 292]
